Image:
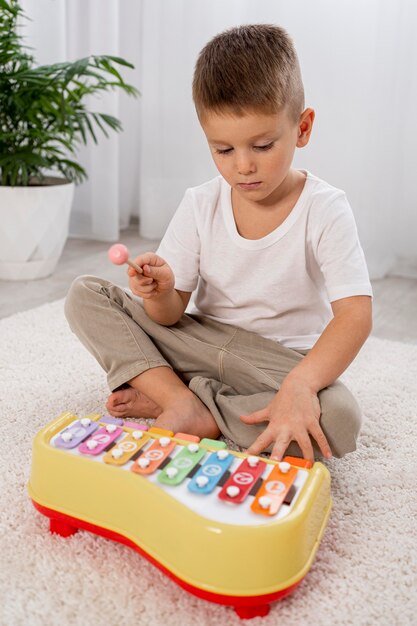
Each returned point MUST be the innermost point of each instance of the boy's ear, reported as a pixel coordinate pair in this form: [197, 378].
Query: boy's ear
[305, 126]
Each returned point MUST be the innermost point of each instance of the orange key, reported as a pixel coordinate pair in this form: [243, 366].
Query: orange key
[298, 462]
[274, 489]
[187, 437]
[152, 458]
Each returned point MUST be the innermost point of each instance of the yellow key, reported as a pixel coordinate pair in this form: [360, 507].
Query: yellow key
[126, 448]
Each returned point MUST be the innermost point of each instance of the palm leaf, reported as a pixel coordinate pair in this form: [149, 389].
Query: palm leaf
[43, 110]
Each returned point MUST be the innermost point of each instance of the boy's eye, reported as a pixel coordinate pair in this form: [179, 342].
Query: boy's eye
[267, 146]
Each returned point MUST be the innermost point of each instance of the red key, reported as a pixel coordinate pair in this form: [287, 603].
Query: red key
[238, 486]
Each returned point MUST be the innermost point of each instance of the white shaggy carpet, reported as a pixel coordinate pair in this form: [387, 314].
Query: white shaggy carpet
[365, 572]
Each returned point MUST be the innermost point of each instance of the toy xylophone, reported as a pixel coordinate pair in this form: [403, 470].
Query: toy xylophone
[234, 529]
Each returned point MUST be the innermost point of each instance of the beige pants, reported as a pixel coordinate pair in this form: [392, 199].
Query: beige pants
[233, 371]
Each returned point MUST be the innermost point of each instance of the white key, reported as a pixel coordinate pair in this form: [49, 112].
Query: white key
[253, 461]
[117, 453]
[164, 441]
[284, 467]
[137, 434]
[201, 481]
[193, 447]
[111, 428]
[91, 444]
[66, 436]
[85, 422]
[222, 454]
[143, 462]
[265, 502]
[232, 491]
[171, 472]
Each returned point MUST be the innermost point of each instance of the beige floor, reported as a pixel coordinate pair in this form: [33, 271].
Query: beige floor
[395, 298]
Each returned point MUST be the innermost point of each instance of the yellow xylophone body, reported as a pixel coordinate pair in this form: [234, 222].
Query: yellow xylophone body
[230, 563]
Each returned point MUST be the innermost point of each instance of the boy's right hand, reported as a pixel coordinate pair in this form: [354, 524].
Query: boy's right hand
[157, 278]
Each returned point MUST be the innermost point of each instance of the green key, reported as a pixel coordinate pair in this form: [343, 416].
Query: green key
[176, 471]
[213, 443]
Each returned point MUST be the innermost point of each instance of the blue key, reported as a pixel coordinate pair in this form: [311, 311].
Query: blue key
[209, 474]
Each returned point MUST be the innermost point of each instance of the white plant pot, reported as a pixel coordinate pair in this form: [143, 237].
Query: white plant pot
[34, 223]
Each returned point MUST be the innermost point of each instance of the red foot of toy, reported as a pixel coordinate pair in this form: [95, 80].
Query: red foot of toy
[248, 612]
[61, 528]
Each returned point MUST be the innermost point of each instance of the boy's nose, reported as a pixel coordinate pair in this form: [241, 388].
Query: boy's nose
[245, 164]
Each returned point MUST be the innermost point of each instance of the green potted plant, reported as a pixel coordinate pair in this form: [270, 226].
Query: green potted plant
[43, 120]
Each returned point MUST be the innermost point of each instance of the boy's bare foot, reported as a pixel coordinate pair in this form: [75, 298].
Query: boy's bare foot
[131, 403]
[187, 414]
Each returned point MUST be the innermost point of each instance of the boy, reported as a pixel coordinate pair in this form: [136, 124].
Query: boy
[283, 301]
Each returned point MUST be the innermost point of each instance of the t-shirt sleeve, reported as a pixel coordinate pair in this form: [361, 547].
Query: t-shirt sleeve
[339, 253]
[180, 246]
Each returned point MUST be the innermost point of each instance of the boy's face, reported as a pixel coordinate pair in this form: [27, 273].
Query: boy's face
[254, 151]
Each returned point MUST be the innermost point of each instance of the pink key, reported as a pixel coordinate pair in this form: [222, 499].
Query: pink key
[100, 440]
[119, 254]
[135, 425]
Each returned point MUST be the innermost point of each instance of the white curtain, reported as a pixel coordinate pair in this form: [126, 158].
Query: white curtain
[359, 63]
[65, 30]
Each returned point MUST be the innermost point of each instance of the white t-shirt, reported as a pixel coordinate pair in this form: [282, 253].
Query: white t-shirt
[279, 286]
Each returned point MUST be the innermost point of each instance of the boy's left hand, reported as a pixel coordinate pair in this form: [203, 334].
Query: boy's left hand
[293, 415]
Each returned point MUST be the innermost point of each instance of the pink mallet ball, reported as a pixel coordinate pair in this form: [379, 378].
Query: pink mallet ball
[118, 254]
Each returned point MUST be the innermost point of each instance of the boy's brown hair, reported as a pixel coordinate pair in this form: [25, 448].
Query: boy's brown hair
[252, 67]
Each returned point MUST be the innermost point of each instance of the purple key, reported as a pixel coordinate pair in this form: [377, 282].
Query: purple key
[74, 434]
[108, 419]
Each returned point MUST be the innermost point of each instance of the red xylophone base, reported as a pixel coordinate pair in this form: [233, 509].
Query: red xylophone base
[246, 607]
